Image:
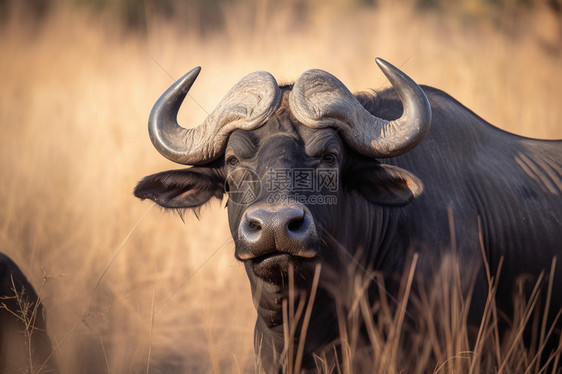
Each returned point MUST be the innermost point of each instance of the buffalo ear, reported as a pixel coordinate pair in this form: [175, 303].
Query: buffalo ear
[181, 189]
[386, 185]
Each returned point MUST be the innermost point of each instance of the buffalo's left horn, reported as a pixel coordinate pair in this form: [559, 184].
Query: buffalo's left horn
[320, 100]
[246, 106]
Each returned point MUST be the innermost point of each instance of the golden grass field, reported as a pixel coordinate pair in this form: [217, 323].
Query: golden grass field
[129, 288]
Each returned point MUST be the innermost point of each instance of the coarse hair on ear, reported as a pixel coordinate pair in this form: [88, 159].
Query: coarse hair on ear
[183, 189]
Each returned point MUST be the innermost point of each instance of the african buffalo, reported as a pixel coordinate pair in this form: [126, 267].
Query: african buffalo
[318, 175]
[24, 344]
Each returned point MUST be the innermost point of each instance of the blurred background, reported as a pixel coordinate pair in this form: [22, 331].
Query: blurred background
[131, 288]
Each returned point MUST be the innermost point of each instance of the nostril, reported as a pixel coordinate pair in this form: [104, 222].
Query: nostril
[296, 224]
[254, 225]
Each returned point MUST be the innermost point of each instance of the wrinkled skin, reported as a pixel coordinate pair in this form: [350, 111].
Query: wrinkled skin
[469, 170]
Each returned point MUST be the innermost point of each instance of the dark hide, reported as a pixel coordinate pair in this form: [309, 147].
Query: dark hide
[24, 344]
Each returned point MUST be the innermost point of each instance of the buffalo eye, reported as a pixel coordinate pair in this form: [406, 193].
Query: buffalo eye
[330, 158]
[232, 161]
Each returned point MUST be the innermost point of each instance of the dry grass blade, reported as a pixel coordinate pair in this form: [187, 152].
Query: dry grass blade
[151, 323]
[306, 319]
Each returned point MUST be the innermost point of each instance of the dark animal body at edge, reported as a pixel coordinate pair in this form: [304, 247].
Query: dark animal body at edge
[24, 343]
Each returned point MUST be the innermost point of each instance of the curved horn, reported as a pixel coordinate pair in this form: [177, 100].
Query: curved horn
[246, 106]
[319, 100]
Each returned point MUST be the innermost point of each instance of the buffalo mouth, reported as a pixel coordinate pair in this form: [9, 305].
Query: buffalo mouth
[275, 266]
[271, 257]
[278, 259]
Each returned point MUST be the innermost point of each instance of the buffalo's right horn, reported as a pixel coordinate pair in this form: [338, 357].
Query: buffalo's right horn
[319, 100]
[246, 106]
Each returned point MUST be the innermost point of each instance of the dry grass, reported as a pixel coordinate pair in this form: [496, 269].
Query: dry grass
[434, 335]
[74, 101]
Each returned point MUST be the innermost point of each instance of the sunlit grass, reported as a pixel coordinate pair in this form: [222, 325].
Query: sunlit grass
[74, 101]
